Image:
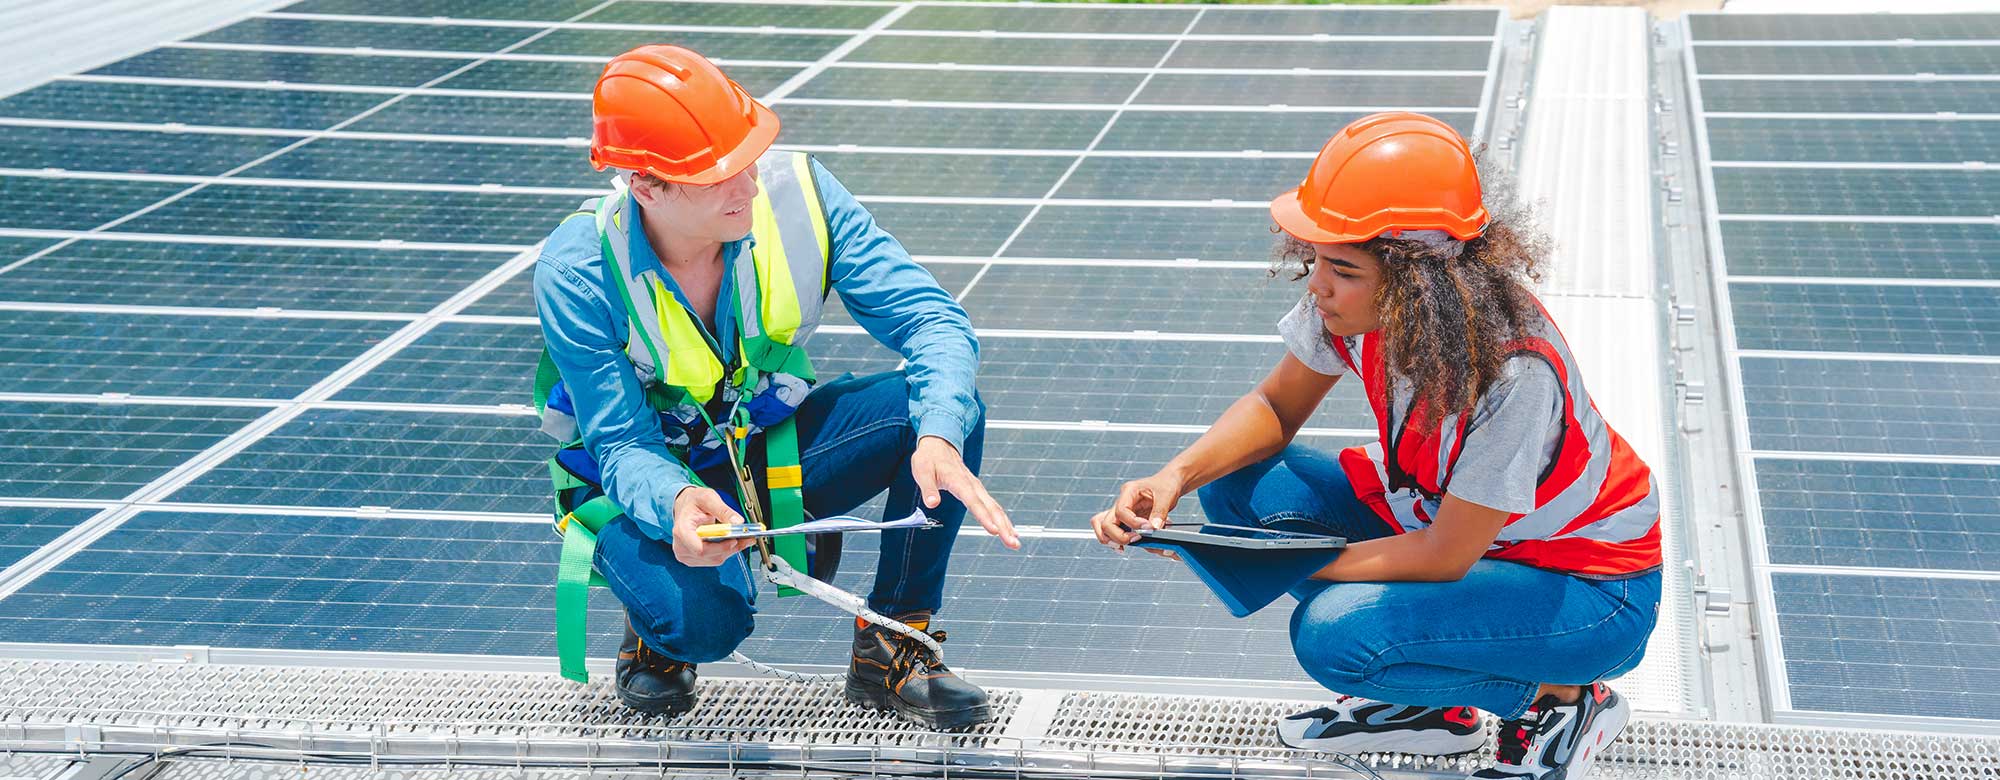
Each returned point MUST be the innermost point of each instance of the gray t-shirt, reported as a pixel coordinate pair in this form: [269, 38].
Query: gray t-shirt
[1525, 404]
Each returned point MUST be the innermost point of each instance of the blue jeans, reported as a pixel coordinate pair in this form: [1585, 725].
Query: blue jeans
[855, 439]
[1488, 640]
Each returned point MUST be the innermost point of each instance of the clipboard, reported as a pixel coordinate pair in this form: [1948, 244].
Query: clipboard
[1246, 568]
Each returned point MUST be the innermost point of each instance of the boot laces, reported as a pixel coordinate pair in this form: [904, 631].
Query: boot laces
[911, 654]
[1517, 734]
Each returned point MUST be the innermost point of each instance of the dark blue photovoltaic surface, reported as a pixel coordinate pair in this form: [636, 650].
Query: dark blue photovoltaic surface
[1867, 318]
[246, 275]
[1867, 406]
[227, 357]
[103, 451]
[1883, 515]
[329, 229]
[1891, 645]
[24, 529]
[1892, 330]
[401, 460]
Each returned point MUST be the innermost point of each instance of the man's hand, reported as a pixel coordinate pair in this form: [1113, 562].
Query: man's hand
[694, 508]
[1141, 503]
[936, 464]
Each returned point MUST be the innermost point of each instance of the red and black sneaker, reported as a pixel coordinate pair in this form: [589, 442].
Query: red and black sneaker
[1556, 741]
[1356, 725]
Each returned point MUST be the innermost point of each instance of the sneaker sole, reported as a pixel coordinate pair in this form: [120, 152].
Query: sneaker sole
[879, 700]
[1605, 730]
[1430, 742]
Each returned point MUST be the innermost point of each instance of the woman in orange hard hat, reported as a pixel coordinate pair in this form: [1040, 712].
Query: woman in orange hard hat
[677, 313]
[1504, 542]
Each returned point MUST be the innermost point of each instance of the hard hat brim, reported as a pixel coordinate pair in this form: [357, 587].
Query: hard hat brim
[763, 132]
[1290, 213]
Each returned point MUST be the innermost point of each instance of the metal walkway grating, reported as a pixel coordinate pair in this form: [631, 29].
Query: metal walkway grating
[537, 725]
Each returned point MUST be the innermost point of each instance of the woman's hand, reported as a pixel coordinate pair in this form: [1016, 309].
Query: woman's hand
[1141, 503]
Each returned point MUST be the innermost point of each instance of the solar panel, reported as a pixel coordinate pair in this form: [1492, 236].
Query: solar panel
[1188, 299]
[14, 249]
[1862, 250]
[1305, 89]
[1234, 131]
[721, 45]
[288, 67]
[1890, 645]
[434, 162]
[1843, 27]
[1196, 179]
[1356, 21]
[1147, 233]
[534, 10]
[1847, 60]
[579, 77]
[305, 582]
[466, 115]
[195, 154]
[248, 275]
[87, 203]
[1866, 97]
[317, 32]
[1865, 318]
[723, 14]
[971, 86]
[1853, 140]
[1883, 193]
[358, 214]
[1881, 515]
[401, 460]
[1873, 406]
[253, 106]
[1138, 20]
[223, 357]
[946, 174]
[1350, 55]
[103, 451]
[1116, 53]
[1867, 391]
[24, 530]
[277, 557]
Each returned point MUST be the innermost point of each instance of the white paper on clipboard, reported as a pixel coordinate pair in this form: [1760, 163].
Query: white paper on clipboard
[828, 525]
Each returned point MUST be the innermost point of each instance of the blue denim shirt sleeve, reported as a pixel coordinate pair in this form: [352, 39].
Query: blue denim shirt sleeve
[585, 337]
[902, 306]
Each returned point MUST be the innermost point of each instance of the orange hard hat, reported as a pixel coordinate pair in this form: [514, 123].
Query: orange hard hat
[1392, 171]
[671, 113]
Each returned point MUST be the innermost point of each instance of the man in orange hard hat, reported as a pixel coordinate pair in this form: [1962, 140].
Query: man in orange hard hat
[677, 313]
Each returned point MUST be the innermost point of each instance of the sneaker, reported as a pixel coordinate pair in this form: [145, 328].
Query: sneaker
[1556, 741]
[1355, 725]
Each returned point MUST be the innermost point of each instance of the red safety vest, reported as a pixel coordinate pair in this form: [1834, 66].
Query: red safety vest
[1596, 513]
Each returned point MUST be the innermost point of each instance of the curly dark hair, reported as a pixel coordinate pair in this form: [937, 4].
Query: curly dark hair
[1446, 318]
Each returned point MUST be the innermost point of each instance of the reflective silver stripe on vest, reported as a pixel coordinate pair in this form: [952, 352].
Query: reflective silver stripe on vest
[559, 426]
[1402, 503]
[1447, 438]
[806, 257]
[616, 224]
[779, 174]
[1547, 520]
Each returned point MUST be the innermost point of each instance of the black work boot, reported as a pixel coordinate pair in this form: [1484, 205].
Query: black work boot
[652, 683]
[890, 671]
